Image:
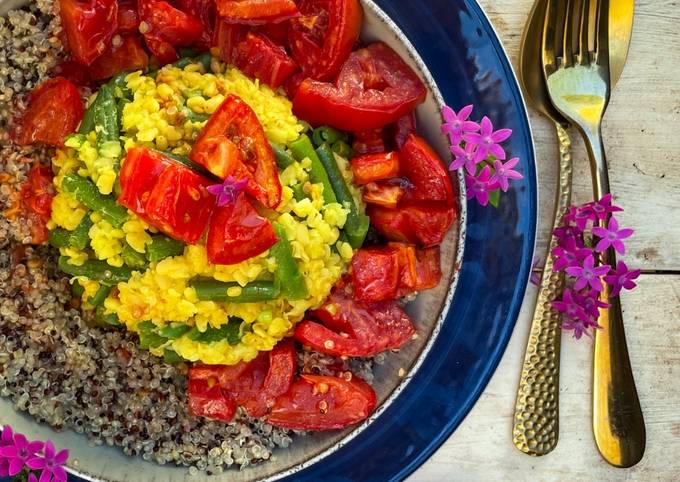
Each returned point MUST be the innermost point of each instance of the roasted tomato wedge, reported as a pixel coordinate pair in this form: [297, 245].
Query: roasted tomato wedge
[369, 142]
[393, 271]
[73, 72]
[226, 39]
[375, 167]
[323, 36]
[237, 232]
[165, 27]
[256, 12]
[204, 11]
[138, 175]
[35, 202]
[426, 171]
[261, 58]
[397, 133]
[54, 111]
[179, 204]
[128, 16]
[253, 385]
[354, 328]
[375, 87]
[383, 194]
[316, 402]
[207, 399]
[89, 26]
[127, 55]
[233, 143]
[422, 223]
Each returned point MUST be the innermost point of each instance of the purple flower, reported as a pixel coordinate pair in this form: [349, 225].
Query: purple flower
[588, 274]
[32, 477]
[621, 277]
[487, 140]
[603, 207]
[227, 192]
[504, 172]
[480, 186]
[568, 234]
[583, 215]
[568, 254]
[6, 440]
[591, 303]
[579, 326]
[570, 307]
[464, 157]
[457, 125]
[612, 236]
[18, 453]
[50, 463]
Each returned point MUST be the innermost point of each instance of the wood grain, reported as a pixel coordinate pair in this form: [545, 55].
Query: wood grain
[642, 134]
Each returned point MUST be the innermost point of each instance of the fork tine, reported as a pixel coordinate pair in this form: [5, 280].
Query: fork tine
[568, 33]
[553, 34]
[602, 34]
[583, 37]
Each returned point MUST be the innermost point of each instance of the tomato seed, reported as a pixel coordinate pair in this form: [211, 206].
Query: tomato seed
[323, 406]
[329, 344]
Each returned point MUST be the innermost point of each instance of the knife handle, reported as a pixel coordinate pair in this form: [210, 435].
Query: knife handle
[536, 423]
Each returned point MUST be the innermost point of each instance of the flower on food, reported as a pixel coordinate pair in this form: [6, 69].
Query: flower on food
[228, 191]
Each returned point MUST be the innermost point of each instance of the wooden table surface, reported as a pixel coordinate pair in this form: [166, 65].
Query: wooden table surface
[642, 134]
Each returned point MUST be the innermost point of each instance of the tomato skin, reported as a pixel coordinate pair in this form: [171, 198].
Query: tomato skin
[139, 174]
[89, 26]
[237, 232]
[316, 402]
[259, 57]
[375, 274]
[369, 142]
[375, 167]
[322, 38]
[425, 224]
[256, 384]
[210, 401]
[226, 38]
[72, 71]
[204, 11]
[54, 111]
[36, 196]
[374, 88]
[276, 32]
[428, 268]
[179, 204]
[426, 171]
[354, 328]
[128, 17]
[249, 156]
[256, 12]
[166, 27]
[128, 56]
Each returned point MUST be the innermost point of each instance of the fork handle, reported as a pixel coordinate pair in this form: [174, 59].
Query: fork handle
[536, 424]
[618, 424]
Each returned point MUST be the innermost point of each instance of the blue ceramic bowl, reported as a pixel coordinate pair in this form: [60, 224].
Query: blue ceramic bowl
[465, 324]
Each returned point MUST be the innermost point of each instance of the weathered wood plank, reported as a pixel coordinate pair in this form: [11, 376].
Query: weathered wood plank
[482, 449]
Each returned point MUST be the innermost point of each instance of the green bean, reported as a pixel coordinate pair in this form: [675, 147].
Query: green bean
[87, 124]
[189, 163]
[283, 158]
[299, 192]
[162, 247]
[106, 122]
[327, 135]
[357, 224]
[305, 126]
[77, 289]
[186, 52]
[79, 238]
[253, 292]
[183, 62]
[288, 275]
[174, 331]
[342, 149]
[302, 148]
[194, 116]
[87, 193]
[96, 271]
[119, 86]
[171, 357]
[133, 259]
[205, 59]
[99, 296]
[148, 338]
[109, 319]
[232, 331]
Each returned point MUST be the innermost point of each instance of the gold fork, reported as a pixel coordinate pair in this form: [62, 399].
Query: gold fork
[575, 55]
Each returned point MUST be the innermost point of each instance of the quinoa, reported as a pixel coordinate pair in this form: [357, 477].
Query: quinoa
[57, 366]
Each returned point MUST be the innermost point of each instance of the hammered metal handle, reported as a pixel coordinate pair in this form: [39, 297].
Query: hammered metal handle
[536, 424]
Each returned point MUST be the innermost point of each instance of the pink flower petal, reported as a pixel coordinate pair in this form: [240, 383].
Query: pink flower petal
[61, 457]
[59, 474]
[16, 465]
[46, 476]
[501, 134]
[448, 114]
[486, 127]
[36, 463]
[497, 151]
[465, 112]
